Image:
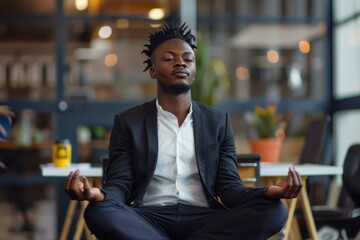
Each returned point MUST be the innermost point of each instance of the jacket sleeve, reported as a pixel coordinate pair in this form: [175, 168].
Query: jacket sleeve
[119, 176]
[229, 186]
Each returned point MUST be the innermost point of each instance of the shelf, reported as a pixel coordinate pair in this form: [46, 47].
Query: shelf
[95, 144]
[14, 146]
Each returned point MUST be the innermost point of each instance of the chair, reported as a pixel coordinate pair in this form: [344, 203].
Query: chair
[345, 218]
[249, 168]
[315, 141]
[317, 150]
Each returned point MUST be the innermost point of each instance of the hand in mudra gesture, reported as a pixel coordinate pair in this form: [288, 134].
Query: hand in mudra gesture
[287, 188]
[78, 188]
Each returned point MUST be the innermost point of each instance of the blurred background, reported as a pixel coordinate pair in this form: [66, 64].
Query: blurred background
[67, 66]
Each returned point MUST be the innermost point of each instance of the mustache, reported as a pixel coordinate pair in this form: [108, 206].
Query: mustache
[180, 70]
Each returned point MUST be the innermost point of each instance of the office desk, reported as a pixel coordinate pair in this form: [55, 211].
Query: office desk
[271, 173]
[49, 170]
[93, 174]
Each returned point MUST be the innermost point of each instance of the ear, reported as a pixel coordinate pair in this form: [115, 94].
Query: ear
[152, 73]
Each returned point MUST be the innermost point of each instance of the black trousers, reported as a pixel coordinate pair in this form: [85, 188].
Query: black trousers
[259, 219]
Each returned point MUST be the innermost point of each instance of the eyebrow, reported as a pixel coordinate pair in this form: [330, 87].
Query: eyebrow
[174, 53]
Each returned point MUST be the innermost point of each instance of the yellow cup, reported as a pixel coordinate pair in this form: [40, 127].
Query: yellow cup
[61, 153]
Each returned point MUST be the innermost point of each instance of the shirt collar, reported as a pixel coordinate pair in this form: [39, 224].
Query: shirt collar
[165, 114]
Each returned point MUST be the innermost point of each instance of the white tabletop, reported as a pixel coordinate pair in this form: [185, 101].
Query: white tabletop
[266, 170]
[49, 170]
[281, 169]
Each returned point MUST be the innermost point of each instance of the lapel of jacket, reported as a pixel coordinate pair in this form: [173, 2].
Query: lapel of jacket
[152, 136]
[200, 152]
[200, 139]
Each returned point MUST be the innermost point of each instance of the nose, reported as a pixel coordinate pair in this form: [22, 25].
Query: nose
[180, 63]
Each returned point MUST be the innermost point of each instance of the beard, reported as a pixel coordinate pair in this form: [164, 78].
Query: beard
[177, 88]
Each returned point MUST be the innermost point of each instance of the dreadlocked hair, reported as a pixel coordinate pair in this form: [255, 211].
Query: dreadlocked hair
[167, 32]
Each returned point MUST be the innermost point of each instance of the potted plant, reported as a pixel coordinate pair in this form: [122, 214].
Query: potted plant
[211, 74]
[269, 126]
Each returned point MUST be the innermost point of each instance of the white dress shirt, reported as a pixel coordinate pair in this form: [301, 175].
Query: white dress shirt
[176, 178]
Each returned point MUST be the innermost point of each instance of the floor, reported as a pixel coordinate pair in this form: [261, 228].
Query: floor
[42, 215]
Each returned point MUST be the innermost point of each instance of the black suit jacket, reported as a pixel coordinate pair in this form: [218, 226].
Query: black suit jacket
[133, 152]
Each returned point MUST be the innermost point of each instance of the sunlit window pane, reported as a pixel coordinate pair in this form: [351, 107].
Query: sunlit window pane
[347, 52]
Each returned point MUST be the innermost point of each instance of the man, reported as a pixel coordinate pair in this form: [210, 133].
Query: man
[172, 170]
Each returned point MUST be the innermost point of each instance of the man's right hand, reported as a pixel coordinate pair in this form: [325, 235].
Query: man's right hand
[78, 188]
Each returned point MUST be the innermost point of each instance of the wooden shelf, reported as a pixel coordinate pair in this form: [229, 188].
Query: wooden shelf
[100, 144]
[14, 145]
[96, 144]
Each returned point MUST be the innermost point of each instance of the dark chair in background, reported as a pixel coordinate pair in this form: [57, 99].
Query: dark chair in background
[317, 150]
[346, 216]
[315, 141]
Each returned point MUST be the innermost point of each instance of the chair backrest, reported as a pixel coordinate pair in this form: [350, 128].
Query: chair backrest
[315, 141]
[317, 149]
[351, 173]
[249, 168]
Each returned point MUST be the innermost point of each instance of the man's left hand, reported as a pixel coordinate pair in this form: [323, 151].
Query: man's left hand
[289, 187]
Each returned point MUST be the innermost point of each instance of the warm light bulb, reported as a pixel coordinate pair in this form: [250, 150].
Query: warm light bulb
[155, 25]
[111, 60]
[156, 13]
[105, 32]
[272, 56]
[242, 73]
[81, 5]
[304, 46]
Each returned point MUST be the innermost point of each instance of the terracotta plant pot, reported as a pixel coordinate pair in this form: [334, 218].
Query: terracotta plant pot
[268, 148]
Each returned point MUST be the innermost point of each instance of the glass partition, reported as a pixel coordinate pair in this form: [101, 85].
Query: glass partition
[107, 68]
[345, 9]
[347, 58]
[271, 50]
[346, 128]
[103, 57]
[346, 76]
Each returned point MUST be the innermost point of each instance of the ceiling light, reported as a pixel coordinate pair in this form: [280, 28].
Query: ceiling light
[111, 60]
[272, 56]
[156, 13]
[105, 32]
[242, 73]
[155, 25]
[304, 46]
[81, 5]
